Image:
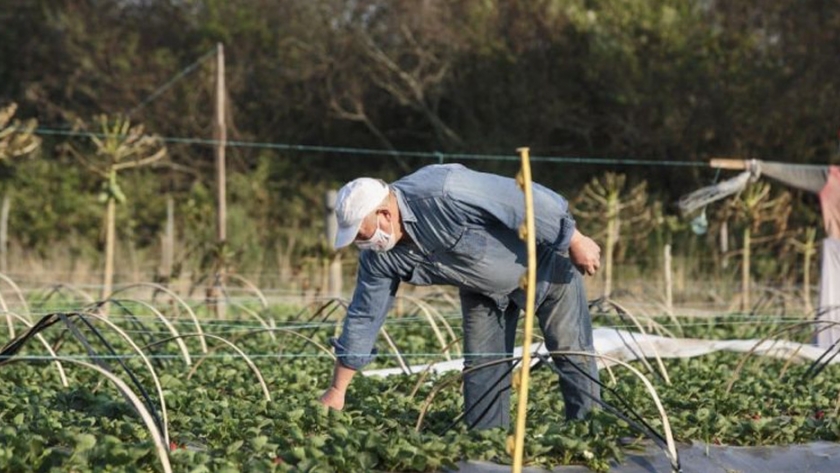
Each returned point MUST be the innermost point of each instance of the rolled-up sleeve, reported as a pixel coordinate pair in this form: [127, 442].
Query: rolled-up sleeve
[372, 300]
[554, 223]
[488, 195]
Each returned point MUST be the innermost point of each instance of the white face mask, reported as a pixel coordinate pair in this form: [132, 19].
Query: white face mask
[380, 241]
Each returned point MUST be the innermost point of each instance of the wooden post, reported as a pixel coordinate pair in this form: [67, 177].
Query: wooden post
[4, 228]
[4, 233]
[334, 282]
[724, 244]
[745, 271]
[220, 136]
[809, 250]
[168, 241]
[669, 285]
[214, 293]
[613, 229]
[110, 243]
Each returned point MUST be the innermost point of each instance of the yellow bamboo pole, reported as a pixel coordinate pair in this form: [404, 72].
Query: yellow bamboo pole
[529, 283]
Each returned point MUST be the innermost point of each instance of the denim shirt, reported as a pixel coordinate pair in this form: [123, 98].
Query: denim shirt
[464, 230]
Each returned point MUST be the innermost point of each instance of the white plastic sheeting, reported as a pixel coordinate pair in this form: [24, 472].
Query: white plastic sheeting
[624, 345]
[829, 293]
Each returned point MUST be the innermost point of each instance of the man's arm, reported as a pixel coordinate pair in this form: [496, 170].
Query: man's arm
[584, 253]
[371, 302]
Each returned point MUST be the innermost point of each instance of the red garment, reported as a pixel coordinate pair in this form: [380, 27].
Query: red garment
[830, 202]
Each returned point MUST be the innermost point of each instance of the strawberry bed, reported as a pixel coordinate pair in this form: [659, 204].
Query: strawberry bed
[220, 420]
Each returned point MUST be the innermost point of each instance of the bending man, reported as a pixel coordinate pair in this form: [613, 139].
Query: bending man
[449, 225]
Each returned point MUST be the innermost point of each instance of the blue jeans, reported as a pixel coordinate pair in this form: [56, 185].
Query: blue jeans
[489, 335]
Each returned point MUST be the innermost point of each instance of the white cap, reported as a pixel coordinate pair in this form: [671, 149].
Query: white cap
[354, 202]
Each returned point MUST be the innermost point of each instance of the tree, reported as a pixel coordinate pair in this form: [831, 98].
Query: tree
[118, 146]
[763, 220]
[16, 139]
[606, 205]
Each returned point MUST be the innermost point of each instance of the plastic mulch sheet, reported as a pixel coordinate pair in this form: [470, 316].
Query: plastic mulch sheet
[817, 457]
[623, 345]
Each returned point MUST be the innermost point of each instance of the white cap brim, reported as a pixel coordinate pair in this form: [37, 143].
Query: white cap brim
[345, 235]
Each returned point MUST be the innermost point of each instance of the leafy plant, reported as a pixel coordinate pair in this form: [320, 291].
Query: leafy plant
[220, 421]
[118, 146]
[604, 204]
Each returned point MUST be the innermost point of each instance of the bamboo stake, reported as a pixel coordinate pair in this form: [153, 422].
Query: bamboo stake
[669, 282]
[745, 271]
[168, 240]
[110, 243]
[220, 134]
[613, 223]
[4, 232]
[529, 282]
[809, 250]
[334, 282]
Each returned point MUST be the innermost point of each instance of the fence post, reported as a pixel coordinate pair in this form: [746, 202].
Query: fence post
[167, 247]
[4, 232]
[215, 297]
[334, 283]
[669, 284]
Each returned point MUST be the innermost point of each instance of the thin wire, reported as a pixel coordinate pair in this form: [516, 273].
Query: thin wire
[160, 90]
[735, 319]
[234, 355]
[178, 356]
[128, 356]
[434, 155]
[331, 326]
[234, 328]
[404, 321]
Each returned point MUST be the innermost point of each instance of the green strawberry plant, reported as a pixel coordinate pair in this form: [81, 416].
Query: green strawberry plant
[219, 420]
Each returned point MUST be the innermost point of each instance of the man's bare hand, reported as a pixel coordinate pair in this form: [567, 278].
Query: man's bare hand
[585, 253]
[333, 398]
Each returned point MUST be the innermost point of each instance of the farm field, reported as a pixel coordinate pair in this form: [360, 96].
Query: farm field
[176, 250]
[241, 394]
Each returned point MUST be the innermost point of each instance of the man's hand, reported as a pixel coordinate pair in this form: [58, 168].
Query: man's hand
[333, 398]
[334, 395]
[585, 253]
